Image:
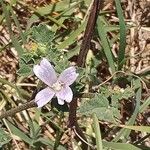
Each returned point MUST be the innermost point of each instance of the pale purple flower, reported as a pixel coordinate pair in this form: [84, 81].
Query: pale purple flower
[57, 86]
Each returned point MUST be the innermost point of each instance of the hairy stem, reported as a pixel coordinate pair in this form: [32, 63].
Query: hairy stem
[20, 108]
[81, 62]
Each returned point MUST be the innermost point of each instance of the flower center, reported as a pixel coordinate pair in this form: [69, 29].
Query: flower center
[57, 86]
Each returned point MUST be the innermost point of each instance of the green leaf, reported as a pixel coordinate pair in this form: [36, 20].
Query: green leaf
[4, 138]
[42, 34]
[27, 57]
[100, 106]
[44, 10]
[120, 94]
[24, 70]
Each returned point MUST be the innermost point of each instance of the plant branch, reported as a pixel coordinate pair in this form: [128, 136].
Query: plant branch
[80, 63]
[88, 34]
[31, 104]
[13, 111]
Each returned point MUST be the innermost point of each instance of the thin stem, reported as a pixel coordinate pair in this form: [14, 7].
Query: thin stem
[92, 146]
[14, 140]
[20, 92]
[128, 74]
[142, 139]
[59, 133]
[88, 34]
[13, 111]
[8, 83]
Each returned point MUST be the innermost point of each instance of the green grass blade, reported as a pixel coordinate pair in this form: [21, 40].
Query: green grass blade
[145, 105]
[18, 25]
[8, 22]
[73, 52]
[97, 132]
[125, 132]
[4, 137]
[45, 16]
[17, 45]
[62, 16]
[138, 128]
[105, 44]
[68, 9]
[34, 18]
[121, 55]
[72, 37]
[19, 133]
[50, 144]
[1, 18]
[120, 146]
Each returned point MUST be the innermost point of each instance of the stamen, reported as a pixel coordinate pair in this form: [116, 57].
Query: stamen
[57, 86]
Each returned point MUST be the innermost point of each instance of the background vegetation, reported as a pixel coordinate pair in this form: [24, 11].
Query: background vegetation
[113, 62]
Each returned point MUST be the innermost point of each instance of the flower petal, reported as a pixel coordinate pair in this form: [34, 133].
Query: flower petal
[44, 96]
[60, 101]
[68, 76]
[65, 94]
[45, 72]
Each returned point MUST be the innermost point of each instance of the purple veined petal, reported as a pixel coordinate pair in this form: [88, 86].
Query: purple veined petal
[60, 101]
[44, 96]
[45, 72]
[45, 64]
[65, 94]
[68, 76]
